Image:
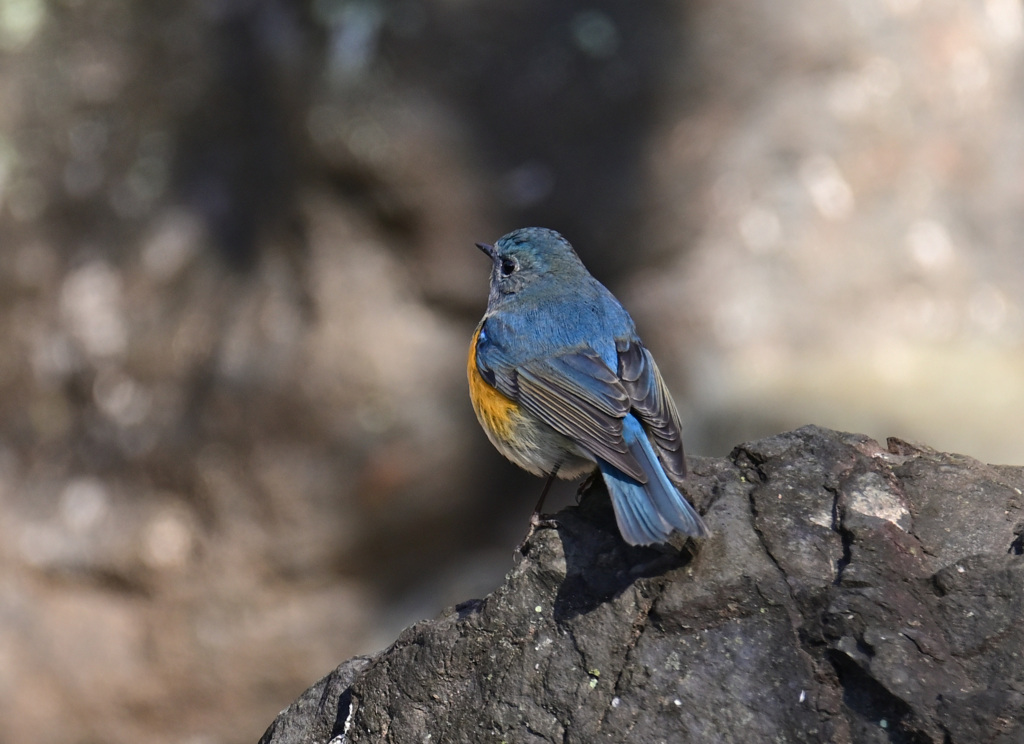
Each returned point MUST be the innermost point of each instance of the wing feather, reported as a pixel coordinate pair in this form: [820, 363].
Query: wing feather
[654, 406]
[579, 396]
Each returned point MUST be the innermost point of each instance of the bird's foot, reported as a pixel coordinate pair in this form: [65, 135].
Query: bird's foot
[537, 520]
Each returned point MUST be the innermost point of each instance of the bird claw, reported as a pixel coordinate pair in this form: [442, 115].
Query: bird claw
[537, 521]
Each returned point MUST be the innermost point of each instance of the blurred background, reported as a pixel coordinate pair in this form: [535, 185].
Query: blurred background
[238, 283]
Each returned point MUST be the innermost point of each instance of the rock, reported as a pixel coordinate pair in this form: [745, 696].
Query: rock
[850, 593]
[320, 712]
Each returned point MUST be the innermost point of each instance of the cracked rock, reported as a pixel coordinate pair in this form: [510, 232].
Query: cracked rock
[850, 592]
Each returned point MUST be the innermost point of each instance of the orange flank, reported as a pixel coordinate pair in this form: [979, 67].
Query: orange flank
[495, 411]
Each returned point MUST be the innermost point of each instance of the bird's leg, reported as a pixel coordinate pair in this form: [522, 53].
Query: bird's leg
[544, 493]
[535, 518]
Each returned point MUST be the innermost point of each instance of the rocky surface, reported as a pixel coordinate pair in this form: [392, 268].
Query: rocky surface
[850, 593]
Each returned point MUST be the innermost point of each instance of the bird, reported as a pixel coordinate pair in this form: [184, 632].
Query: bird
[563, 386]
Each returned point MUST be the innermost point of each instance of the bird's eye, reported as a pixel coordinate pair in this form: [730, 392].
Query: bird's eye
[508, 265]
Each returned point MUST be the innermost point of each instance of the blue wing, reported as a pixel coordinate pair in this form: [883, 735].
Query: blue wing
[575, 393]
[653, 405]
[579, 395]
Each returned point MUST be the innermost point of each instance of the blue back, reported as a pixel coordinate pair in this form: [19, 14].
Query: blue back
[556, 306]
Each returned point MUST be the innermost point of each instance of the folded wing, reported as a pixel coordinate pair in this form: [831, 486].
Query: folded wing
[653, 405]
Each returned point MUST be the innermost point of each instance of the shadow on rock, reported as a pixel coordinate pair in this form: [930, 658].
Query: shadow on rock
[599, 565]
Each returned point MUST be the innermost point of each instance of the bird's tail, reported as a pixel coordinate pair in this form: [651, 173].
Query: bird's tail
[648, 512]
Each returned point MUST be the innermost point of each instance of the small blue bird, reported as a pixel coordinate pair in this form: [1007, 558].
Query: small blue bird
[561, 384]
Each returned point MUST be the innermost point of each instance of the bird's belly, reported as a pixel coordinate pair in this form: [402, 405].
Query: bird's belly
[537, 448]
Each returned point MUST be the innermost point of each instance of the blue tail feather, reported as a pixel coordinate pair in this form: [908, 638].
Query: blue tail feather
[648, 512]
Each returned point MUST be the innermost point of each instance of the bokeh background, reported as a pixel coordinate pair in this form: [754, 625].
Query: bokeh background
[238, 282]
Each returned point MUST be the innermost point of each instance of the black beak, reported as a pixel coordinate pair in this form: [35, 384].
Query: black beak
[488, 249]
